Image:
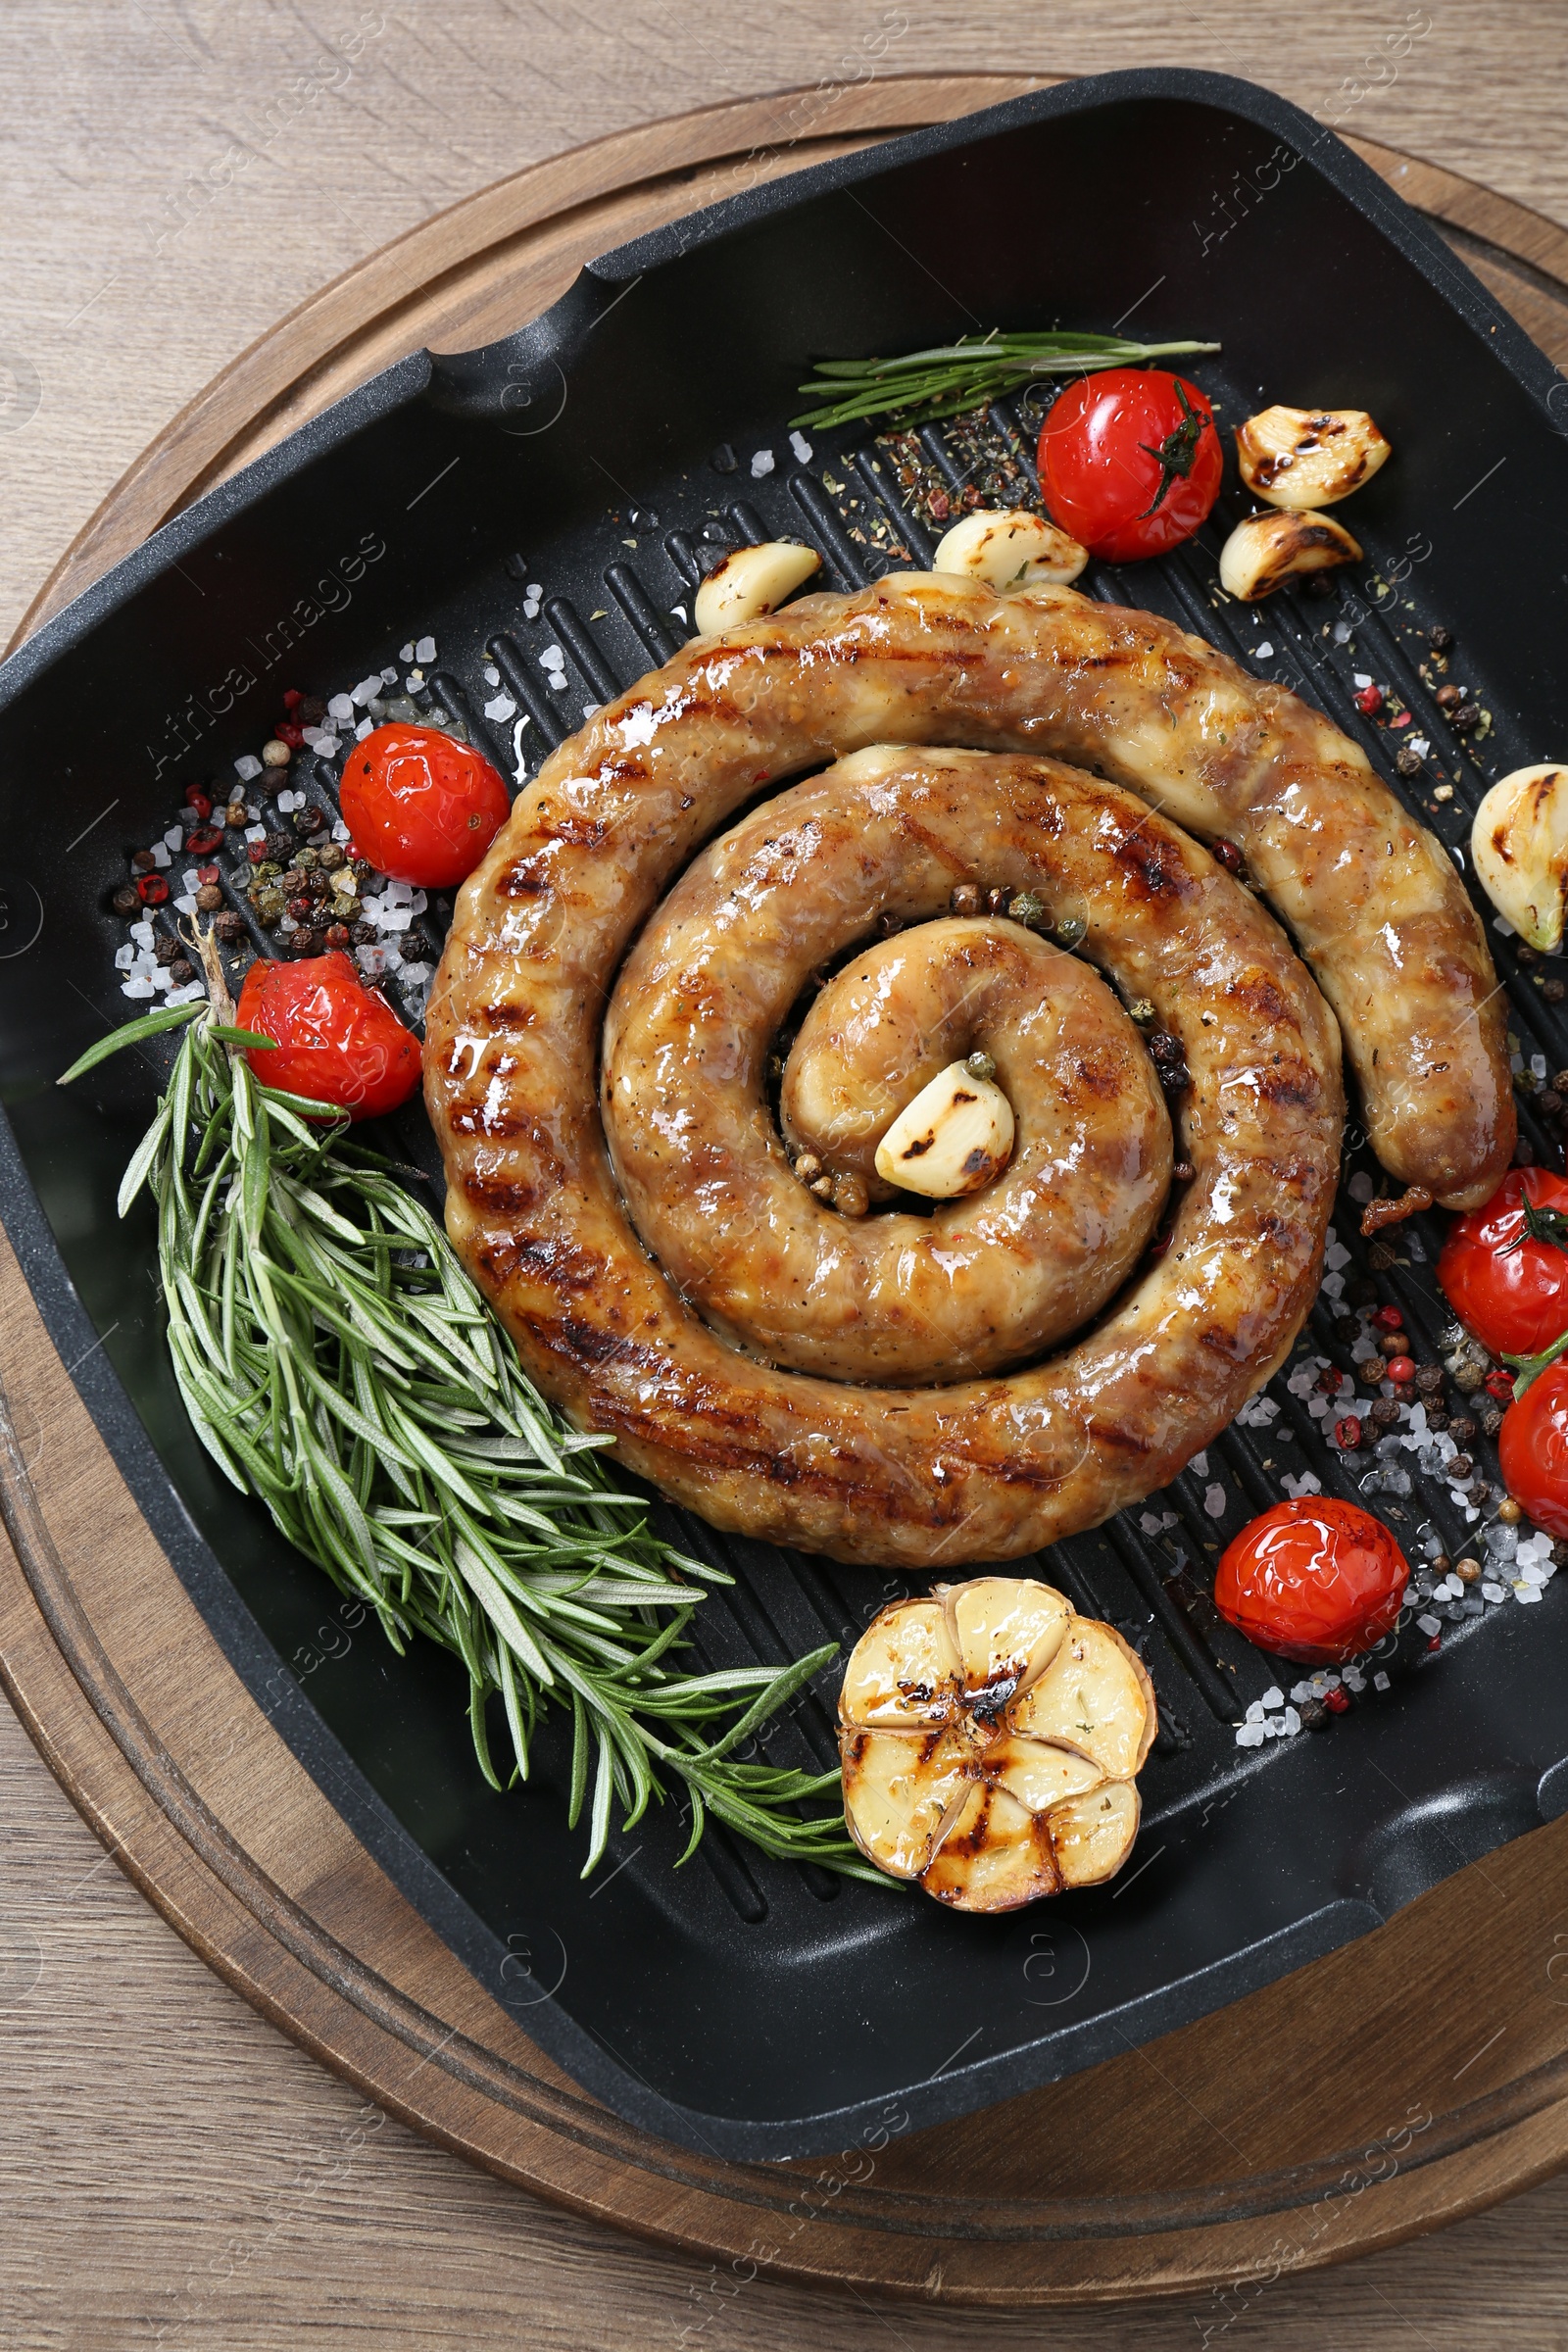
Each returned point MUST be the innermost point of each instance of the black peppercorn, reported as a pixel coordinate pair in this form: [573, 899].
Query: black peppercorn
[1553, 991]
[229, 928]
[1465, 719]
[305, 942]
[965, 898]
[124, 901]
[364, 935]
[279, 846]
[309, 820]
[1461, 1429]
[1407, 761]
[165, 951]
[1491, 1419]
[311, 712]
[182, 972]
[1439, 639]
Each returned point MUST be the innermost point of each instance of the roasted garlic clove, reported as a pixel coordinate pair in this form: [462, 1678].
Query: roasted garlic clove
[900, 1791]
[1007, 1629]
[1519, 849]
[905, 1669]
[1096, 1694]
[751, 581]
[1040, 1775]
[988, 1736]
[1011, 548]
[1091, 1835]
[1266, 550]
[1304, 458]
[955, 1136]
[996, 1855]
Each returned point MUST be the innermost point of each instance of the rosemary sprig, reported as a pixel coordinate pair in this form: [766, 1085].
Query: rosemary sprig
[336, 1360]
[954, 377]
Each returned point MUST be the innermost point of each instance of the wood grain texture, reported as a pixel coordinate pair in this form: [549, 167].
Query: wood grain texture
[110, 2262]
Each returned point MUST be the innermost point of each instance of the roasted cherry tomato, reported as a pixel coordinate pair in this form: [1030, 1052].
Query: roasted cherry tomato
[1130, 461]
[422, 806]
[1314, 1579]
[338, 1042]
[1533, 1450]
[1504, 1266]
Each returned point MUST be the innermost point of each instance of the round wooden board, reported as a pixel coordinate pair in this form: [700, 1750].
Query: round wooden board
[1395, 2086]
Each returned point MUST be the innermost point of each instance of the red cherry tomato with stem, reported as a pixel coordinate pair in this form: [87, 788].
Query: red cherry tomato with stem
[338, 1042]
[1504, 1266]
[1130, 461]
[1314, 1579]
[1533, 1450]
[420, 806]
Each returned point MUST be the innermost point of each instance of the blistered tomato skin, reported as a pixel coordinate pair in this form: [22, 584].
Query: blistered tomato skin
[1314, 1580]
[1506, 1286]
[420, 806]
[1532, 1451]
[339, 1043]
[1130, 461]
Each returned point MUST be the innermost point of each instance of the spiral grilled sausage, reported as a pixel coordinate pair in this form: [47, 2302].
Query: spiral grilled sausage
[980, 1468]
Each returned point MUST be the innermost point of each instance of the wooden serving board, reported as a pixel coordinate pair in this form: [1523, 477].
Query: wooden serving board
[1399, 2084]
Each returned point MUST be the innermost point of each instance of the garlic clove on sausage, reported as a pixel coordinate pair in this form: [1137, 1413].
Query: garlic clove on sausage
[1011, 548]
[1304, 458]
[750, 582]
[988, 1736]
[955, 1136]
[1519, 849]
[1266, 550]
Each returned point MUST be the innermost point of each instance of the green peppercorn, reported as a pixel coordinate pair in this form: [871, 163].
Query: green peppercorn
[1028, 909]
[268, 906]
[1073, 933]
[980, 1066]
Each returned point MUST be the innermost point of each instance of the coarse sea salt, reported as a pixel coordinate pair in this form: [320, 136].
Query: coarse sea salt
[424, 650]
[761, 464]
[500, 706]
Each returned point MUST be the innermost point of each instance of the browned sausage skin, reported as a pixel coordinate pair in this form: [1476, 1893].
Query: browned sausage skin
[979, 1469]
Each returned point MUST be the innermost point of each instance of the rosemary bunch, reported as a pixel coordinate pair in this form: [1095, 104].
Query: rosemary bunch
[336, 1360]
[955, 377]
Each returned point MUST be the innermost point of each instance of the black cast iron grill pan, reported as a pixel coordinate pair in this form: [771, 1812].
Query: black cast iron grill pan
[605, 453]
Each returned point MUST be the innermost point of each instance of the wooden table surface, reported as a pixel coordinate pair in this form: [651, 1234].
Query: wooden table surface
[177, 174]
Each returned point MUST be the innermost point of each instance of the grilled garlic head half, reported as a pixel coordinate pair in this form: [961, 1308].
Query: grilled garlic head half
[989, 1738]
[751, 581]
[1301, 458]
[1010, 548]
[1519, 849]
[1266, 550]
